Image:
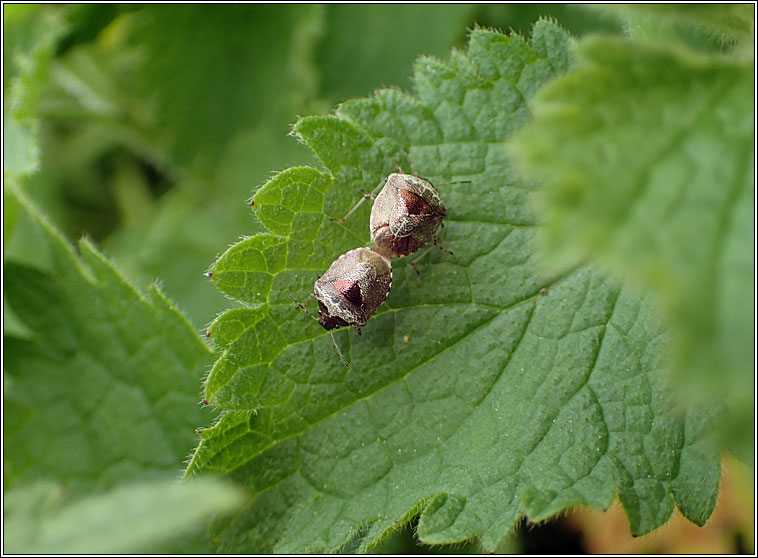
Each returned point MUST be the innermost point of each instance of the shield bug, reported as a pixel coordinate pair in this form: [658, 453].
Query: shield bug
[405, 215]
[351, 290]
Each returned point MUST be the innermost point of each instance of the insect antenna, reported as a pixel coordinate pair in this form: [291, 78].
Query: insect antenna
[413, 168]
[454, 182]
[334, 341]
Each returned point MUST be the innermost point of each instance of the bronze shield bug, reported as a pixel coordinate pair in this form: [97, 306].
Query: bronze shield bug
[351, 290]
[405, 215]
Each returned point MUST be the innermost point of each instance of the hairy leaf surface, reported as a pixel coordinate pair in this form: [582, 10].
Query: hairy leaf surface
[483, 389]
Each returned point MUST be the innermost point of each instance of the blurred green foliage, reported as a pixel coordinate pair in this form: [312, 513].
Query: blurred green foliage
[148, 127]
[135, 517]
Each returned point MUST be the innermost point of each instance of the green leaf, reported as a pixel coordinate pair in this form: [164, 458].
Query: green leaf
[197, 118]
[483, 389]
[359, 51]
[12, 325]
[132, 518]
[650, 158]
[732, 20]
[30, 36]
[105, 390]
[20, 150]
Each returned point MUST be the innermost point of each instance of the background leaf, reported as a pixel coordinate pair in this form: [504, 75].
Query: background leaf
[149, 166]
[107, 387]
[29, 37]
[483, 389]
[39, 522]
[651, 172]
[100, 392]
[355, 53]
[730, 21]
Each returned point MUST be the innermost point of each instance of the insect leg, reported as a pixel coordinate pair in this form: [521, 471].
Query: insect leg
[365, 195]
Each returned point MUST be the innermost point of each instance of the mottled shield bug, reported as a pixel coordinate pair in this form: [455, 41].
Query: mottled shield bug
[405, 215]
[351, 290]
